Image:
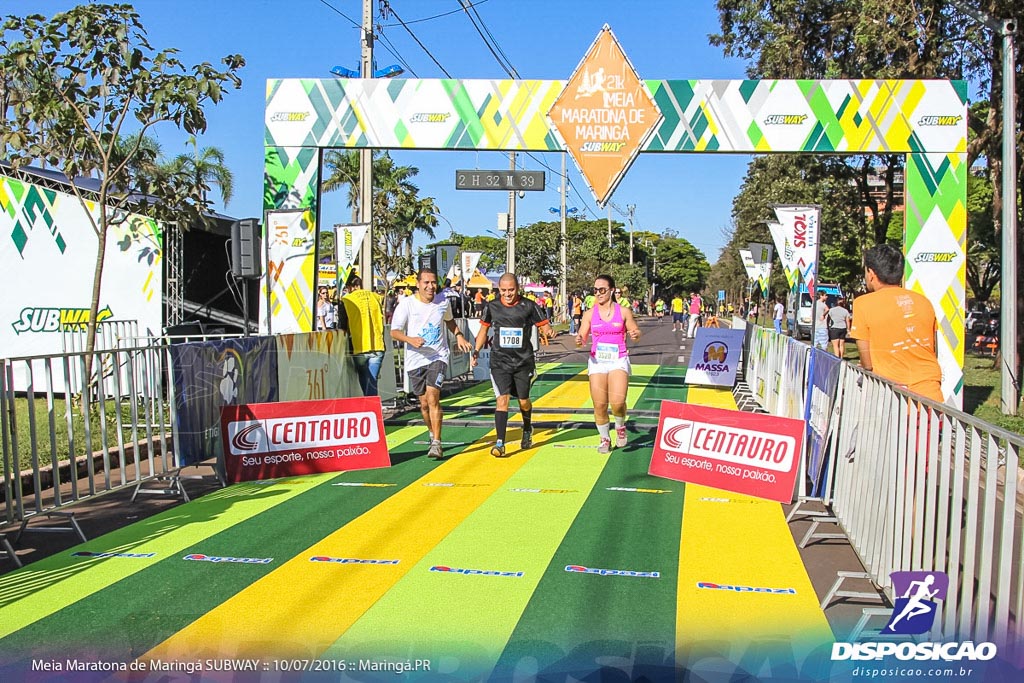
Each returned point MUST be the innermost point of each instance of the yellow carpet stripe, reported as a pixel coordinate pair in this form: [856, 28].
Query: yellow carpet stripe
[90, 576]
[302, 607]
[721, 532]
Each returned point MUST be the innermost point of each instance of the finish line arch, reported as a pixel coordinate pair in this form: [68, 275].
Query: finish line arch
[924, 119]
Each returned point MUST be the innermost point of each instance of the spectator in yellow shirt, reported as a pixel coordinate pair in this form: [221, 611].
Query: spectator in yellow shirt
[365, 312]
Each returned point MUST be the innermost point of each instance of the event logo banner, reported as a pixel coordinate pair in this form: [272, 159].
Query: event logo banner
[756, 455]
[820, 409]
[270, 440]
[786, 253]
[212, 374]
[604, 115]
[800, 226]
[287, 301]
[716, 356]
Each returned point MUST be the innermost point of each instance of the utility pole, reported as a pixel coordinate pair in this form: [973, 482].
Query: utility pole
[563, 287]
[1008, 285]
[1010, 394]
[510, 257]
[631, 209]
[609, 205]
[366, 159]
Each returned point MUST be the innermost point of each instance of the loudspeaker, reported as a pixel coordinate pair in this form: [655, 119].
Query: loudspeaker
[245, 249]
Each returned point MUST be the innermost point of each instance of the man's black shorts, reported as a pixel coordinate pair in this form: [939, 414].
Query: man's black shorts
[427, 376]
[512, 383]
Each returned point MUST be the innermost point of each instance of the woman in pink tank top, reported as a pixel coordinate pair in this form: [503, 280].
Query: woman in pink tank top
[608, 324]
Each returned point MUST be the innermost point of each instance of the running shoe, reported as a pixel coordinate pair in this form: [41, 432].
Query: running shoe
[435, 451]
[498, 450]
[527, 441]
[605, 447]
[620, 437]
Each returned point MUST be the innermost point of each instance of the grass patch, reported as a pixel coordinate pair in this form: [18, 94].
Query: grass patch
[59, 448]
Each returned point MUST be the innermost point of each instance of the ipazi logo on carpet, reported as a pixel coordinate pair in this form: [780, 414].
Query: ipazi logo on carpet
[915, 608]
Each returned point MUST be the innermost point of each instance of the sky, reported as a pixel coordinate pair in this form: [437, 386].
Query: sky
[544, 39]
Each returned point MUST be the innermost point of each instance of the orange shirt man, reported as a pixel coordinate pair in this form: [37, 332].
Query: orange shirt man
[895, 327]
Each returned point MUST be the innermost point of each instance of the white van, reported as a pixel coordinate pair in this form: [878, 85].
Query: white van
[800, 316]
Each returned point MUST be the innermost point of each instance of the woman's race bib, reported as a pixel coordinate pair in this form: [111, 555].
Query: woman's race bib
[607, 353]
[510, 337]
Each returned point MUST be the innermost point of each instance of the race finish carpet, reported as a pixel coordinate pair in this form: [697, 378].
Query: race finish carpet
[555, 562]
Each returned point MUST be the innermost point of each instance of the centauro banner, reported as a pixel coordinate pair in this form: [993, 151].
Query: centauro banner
[47, 264]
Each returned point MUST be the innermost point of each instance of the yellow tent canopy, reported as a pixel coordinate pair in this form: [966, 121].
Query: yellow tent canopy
[478, 281]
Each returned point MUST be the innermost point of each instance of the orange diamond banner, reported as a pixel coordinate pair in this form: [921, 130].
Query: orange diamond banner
[604, 115]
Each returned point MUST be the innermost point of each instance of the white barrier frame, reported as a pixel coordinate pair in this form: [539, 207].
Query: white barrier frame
[918, 485]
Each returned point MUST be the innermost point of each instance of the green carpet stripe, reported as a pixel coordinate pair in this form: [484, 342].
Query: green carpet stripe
[437, 614]
[573, 618]
[42, 588]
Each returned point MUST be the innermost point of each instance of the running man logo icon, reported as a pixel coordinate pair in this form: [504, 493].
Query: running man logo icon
[915, 608]
[715, 352]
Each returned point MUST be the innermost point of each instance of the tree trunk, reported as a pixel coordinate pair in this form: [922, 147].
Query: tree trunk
[94, 305]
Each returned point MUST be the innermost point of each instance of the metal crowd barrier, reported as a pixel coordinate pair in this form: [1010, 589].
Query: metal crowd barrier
[915, 485]
[62, 444]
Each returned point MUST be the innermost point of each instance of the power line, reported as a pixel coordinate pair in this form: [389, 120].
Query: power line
[387, 9]
[390, 47]
[491, 36]
[438, 16]
[350, 19]
[509, 69]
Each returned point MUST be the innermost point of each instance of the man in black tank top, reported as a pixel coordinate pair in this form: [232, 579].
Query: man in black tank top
[511, 319]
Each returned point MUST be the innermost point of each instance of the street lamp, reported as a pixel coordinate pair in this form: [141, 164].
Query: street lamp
[1008, 285]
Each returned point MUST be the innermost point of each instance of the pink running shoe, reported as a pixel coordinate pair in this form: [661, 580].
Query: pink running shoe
[620, 437]
[605, 447]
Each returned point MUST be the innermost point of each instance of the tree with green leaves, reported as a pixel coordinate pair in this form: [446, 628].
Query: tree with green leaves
[206, 167]
[86, 78]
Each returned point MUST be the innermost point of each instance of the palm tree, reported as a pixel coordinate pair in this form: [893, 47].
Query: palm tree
[207, 168]
[342, 167]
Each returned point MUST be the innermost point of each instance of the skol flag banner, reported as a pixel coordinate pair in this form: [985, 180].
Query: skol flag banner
[786, 254]
[800, 225]
[748, 263]
[469, 261]
[271, 440]
[349, 240]
[287, 302]
[757, 455]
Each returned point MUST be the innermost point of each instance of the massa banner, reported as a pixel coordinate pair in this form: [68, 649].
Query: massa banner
[716, 357]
